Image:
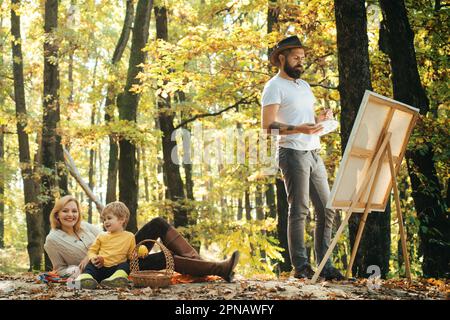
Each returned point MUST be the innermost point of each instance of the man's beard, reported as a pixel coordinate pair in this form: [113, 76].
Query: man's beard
[292, 72]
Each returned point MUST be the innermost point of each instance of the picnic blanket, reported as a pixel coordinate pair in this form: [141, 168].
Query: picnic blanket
[51, 276]
[178, 278]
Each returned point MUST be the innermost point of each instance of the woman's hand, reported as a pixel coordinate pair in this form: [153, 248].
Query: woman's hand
[83, 263]
[326, 114]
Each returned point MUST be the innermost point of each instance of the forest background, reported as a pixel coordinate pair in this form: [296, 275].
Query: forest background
[111, 81]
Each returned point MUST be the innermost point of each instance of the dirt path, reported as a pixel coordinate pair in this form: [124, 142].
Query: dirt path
[24, 286]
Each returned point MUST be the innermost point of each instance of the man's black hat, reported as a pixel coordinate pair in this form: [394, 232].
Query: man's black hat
[288, 43]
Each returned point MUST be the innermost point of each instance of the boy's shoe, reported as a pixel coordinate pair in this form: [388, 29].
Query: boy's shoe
[119, 279]
[83, 281]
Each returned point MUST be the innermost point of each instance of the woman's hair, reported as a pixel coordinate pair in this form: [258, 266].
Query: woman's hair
[118, 209]
[59, 205]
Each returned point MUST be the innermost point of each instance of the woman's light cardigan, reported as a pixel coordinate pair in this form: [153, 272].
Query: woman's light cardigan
[66, 251]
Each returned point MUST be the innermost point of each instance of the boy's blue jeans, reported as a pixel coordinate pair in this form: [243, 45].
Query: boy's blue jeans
[305, 177]
[102, 273]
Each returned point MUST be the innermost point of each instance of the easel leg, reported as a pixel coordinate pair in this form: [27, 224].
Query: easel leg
[331, 247]
[354, 201]
[399, 214]
[362, 223]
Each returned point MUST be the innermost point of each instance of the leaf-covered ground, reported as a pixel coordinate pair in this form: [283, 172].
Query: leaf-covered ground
[25, 286]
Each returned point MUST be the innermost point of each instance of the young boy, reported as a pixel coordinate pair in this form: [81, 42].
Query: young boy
[109, 253]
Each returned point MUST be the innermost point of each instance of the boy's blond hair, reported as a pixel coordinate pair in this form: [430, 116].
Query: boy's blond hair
[118, 209]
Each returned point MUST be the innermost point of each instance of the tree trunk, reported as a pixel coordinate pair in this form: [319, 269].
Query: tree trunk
[397, 40]
[159, 170]
[273, 12]
[270, 203]
[259, 203]
[52, 182]
[340, 246]
[187, 165]
[260, 213]
[32, 209]
[375, 245]
[282, 211]
[240, 209]
[248, 206]
[270, 200]
[70, 78]
[91, 182]
[128, 103]
[92, 150]
[144, 171]
[113, 168]
[113, 163]
[100, 171]
[171, 170]
[2, 161]
[70, 99]
[189, 181]
[2, 180]
[354, 79]
[187, 156]
[403, 186]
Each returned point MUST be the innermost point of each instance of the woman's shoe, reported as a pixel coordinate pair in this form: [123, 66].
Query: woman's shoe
[195, 267]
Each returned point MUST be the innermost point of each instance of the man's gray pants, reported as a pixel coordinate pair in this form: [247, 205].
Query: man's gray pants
[305, 177]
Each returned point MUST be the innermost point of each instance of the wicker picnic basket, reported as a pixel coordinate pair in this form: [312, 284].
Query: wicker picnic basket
[151, 278]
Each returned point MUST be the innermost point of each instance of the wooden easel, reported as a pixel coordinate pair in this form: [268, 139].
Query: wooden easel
[383, 150]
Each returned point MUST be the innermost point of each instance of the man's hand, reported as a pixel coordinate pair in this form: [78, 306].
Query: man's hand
[98, 261]
[309, 128]
[326, 114]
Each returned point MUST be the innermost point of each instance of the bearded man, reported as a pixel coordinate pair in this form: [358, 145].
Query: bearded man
[288, 110]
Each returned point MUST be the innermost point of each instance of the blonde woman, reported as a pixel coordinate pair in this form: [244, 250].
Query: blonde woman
[68, 243]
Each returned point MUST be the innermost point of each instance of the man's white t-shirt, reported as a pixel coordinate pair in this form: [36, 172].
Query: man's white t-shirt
[296, 102]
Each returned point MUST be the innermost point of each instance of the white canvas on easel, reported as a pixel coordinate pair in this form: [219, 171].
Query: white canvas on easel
[370, 164]
[376, 114]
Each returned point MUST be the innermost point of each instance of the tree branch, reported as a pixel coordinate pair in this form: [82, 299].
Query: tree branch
[204, 115]
[226, 9]
[70, 164]
[323, 86]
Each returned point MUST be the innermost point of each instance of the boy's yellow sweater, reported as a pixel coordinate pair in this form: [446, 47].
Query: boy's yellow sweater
[114, 247]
